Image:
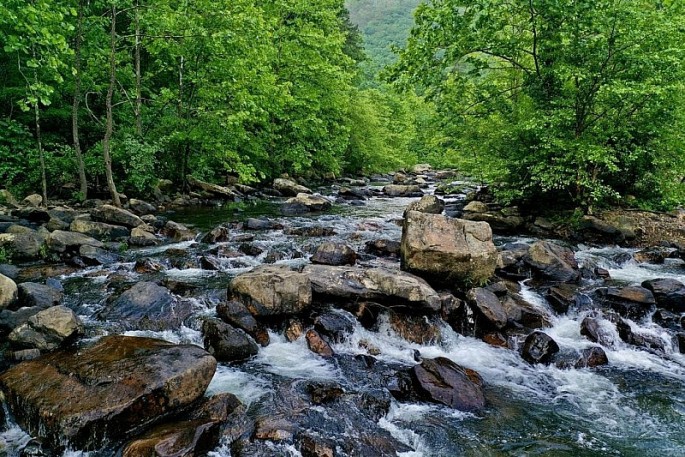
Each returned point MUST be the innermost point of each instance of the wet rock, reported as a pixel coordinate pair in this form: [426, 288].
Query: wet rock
[47, 329]
[272, 290]
[219, 234]
[310, 231]
[304, 203]
[178, 232]
[322, 393]
[488, 306]
[8, 292]
[317, 344]
[99, 230]
[41, 296]
[383, 248]
[293, 330]
[146, 306]
[506, 220]
[397, 190]
[655, 255]
[140, 207]
[116, 216]
[666, 319]
[236, 314]
[375, 284]
[315, 446]
[496, 339]
[147, 265]
[523, 313]
[562, 296]
[210, 263]
[638, 338]
[275, 429]
[336, 325]
[668, 293]
[448, 250]
[196, 436]
[334, 254]
[594, 330]
[251, 249]
[140, 237]
[416, 329]
[34, 200]
[552, 262]
[354, 193]
[427, 204]
[90, 396]
[596, 230]
[227, 343]
[60, 241]
[633, 302]
[23, 246]
[261, 224]
[442, 381]
[290, 188]
[97, 256]
[539, 348]
[454, 312]
[592, 357]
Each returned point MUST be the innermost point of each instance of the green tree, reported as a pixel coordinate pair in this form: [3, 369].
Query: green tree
[575, 100]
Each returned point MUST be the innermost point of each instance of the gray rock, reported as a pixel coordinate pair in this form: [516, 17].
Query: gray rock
[487, 305]
[552, 262]
[227, 343]
[141, 207]
[60, 241]
[47, 329]
[668, 293]
[117, 216]
[8, 292]
[289, 188]
[329, 253]
[539, 348]
[397, 190]
[442, 381]
[41, 296]
[427, 204]
[99, 230]
[271, 290]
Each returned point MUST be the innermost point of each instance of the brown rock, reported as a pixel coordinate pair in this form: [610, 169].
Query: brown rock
[443, 381]
[318, 345]
[272, 290]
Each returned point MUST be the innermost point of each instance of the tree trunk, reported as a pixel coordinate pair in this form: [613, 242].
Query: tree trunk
[109, 126]
[139, 90]
[83, 192]
[41, 155]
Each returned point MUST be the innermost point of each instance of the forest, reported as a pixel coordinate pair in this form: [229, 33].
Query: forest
[575, 102]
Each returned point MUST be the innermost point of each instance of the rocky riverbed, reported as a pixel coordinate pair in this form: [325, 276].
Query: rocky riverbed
[363, 318]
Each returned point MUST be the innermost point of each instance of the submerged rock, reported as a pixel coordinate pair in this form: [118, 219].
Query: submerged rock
[442, 381]
[448, 250]
[85, 398]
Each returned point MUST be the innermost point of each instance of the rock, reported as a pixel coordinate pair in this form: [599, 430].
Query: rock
[196, 436]
[219, 191]
[314, 446]
[310, 231]
[34, 200]
[496, 339]
[237, 314]
[539, 348]
[637, 338]
[442, 381]
[380, 285]
[6, 198]
[633, 302]
[594, 330]
[272, 290]
[655, 254]
[141, 237]
[487, 305]
[146, 306]
[56, 224]
[97, 256]
[117, 216]
[523, 313]
[668, 293]
[593, 229]
[506, 220]
[253, 223]
[666, 319]
[47, 329]
[592, 357]
[100, 230]
[22, 246]
[552, 262]
[336, 325]
[562, 296]
[178, 232]
[396, 190]
[60, 241]
[452, 251]
[383, 248]
[227, 343]
[354, 193]
[420, 168]
[219, 234]
[147, 265]
[294, 330]
[289, 188]
[8, 292]
[416, 329]
[100, 394]
[317, 344]
[32, 294]
[329, 253]
[427, 204]
[141, 208]
[303, 203]
[33, 215]
[210, 263]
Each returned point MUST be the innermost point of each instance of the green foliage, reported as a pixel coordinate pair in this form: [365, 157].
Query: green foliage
[571, 101]
[5, 256]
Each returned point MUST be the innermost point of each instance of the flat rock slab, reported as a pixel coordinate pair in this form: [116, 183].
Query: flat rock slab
[84, 398]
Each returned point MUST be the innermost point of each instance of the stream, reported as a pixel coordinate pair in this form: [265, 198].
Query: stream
[634, 406]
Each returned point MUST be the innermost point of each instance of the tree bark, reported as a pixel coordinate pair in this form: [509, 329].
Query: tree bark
[139, 90]
[109, 126]
[83, 192]
[41, 155]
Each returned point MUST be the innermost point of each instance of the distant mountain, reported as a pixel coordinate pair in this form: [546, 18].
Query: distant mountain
[383, 23]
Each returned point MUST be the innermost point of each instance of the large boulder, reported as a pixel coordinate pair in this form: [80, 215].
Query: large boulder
[427, 204]
[34, 200]
[8, 292]
[447, 250]
[227, 343]
[140, 237]
[61, 241]
[329, 253]
[23, 246]
[146, 306]
[87, 397]
[633, 302]
[117, 216]
[668, 293]
[442, 381]
[100, 230]
[380, 285]
[47, 329]
[398, 190]
[290, 188]
[553, 262]
[305, 203]
[178, 232]
[141, 207]
[271, 290]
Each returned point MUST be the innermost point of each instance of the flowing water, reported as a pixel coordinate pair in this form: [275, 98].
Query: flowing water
[635, 406]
